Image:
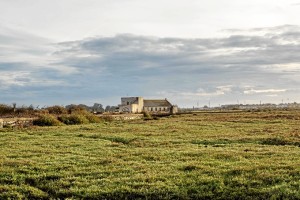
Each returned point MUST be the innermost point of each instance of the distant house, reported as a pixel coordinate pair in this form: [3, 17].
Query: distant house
[139, 104]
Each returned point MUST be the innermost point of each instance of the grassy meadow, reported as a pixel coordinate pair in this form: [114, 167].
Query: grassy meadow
[234, 155]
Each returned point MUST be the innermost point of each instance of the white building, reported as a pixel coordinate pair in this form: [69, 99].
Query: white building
[139, 104]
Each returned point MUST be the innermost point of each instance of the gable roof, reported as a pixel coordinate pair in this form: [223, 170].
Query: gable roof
[157, 103]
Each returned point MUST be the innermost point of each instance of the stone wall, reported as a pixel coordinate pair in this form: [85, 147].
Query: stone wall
[16, 122]
[124, 116]
[26, 122]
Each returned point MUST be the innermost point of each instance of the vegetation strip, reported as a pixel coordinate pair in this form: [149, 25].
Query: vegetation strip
[188, 156]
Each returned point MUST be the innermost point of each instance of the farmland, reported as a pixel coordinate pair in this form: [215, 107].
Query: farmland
[226, 155]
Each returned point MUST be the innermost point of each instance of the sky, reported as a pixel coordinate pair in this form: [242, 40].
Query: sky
[193, 52]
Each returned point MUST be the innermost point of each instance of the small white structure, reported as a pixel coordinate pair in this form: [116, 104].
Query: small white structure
[139, 104]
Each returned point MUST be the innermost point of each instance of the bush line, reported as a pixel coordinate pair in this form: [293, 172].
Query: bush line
[71, 119]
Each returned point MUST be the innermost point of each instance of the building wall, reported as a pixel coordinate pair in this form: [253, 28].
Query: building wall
[131, 104]
[174, 109]
[135, 108]
[157, 109]
[125, 108]
[140, 104]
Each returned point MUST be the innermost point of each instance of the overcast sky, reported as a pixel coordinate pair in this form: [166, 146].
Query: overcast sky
[190, 51]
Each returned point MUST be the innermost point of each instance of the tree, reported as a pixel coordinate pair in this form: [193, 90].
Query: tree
[97, 107]
[107, 108]
[14, 106]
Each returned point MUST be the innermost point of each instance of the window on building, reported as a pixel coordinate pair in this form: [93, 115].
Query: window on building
[127, 102]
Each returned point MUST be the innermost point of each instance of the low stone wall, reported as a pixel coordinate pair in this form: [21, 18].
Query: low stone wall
[123, 116]
[16, 122]
[26, 122]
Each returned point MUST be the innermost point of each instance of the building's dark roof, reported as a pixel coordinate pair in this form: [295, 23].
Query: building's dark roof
[135, 101]
[157, 103]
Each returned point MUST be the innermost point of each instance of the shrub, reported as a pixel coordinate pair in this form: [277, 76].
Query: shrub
[77, 109]
[107, 118]
[73, 119]
[13, 110]
[42, 112]
[46, 120]
[156, 118]
[93, 118]
[64, 119]
[57, 110]
[147, 115]
[4, 109]
[22, 110]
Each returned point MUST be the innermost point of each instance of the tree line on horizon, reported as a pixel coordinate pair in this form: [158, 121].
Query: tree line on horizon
[14, 110]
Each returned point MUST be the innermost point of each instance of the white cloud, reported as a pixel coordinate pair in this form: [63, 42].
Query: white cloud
[65, 20]
[200, 92]
[24, 79]
[253, 91]
[19, 78]
[295, 4]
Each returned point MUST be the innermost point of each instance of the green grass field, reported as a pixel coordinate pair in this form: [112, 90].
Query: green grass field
[242, 155]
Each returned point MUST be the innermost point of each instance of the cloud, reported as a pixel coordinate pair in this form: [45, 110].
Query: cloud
[253, 91]
[295, 4]
[25, 58]
[200, 92]
[155, 52]
[247, 63]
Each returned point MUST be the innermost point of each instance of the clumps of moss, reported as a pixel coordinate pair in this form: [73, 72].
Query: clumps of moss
[46, 120]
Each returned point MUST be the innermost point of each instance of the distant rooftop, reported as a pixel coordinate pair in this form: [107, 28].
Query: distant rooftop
[157, 103]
